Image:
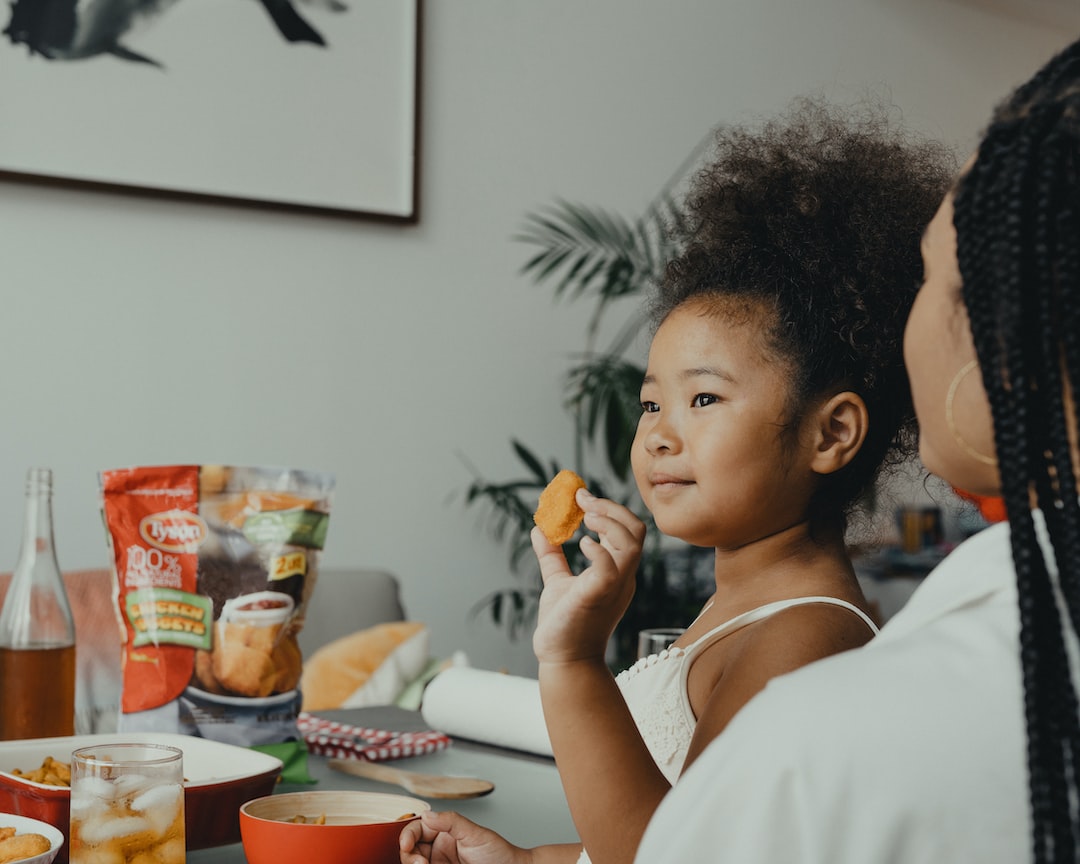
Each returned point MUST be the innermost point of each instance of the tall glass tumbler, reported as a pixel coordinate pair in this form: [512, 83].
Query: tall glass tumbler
[127, 804]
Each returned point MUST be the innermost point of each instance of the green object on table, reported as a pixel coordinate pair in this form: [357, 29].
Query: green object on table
[413, 694]
[293, 755]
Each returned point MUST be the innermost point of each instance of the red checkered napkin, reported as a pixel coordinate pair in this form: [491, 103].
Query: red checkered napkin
[345, 741]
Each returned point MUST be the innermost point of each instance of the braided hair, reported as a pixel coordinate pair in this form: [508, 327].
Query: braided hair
[1017, 219]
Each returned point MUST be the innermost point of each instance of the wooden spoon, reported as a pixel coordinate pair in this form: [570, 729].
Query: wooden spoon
[424, 785]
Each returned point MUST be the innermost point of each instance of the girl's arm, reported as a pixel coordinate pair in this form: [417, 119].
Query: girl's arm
[611, 782]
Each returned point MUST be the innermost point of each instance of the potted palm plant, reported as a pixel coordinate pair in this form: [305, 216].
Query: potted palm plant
[589, 254]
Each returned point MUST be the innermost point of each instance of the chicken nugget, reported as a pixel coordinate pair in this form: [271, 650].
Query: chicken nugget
[240, 669]
[204, 672]
[260, 637]
[557, 513]
[23, 846]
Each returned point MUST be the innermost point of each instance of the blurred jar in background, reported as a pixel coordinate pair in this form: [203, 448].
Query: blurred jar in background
[920, 528]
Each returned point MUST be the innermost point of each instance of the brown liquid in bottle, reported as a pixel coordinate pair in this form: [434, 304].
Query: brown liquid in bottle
[28, 675]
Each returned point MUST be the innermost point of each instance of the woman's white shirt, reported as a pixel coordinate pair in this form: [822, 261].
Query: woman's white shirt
[910, 750]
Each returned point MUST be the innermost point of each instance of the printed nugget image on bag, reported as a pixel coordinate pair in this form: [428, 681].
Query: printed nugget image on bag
[214, 566]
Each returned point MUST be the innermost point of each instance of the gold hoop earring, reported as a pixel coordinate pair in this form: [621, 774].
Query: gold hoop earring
[950, 420]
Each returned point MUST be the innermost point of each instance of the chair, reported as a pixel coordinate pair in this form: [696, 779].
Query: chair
[348, 599]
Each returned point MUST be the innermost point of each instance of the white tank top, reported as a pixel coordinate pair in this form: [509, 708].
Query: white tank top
[655, 687]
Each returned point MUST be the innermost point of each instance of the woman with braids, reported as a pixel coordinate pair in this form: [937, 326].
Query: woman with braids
[775, 390]
[953, 736]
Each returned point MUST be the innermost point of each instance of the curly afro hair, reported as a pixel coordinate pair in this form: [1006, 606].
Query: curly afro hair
[815, 218]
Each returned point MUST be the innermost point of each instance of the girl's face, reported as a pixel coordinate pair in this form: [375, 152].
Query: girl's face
[937, 346]
[711, 458]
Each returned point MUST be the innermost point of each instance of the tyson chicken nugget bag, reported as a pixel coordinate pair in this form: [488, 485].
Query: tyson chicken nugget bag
[213, 569]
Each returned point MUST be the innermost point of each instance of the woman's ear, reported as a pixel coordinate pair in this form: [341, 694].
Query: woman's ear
[839, 429]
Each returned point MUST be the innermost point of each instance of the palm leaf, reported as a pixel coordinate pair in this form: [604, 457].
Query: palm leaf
[531, 461]
[510, 608]
[597, 250]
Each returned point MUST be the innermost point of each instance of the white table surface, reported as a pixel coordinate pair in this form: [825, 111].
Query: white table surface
[527, 805]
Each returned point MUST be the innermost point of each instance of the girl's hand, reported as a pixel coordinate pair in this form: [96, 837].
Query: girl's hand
[449, 838]
[577, 614]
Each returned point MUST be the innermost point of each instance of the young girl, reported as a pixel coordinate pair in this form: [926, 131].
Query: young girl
[774, 392]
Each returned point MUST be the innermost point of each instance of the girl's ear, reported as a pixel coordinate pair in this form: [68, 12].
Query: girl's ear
[839, 429]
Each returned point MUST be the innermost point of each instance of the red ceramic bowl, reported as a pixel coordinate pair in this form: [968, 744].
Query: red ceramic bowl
[360, 827]
[218, 778]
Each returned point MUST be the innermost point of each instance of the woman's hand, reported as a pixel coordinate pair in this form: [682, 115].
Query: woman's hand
[577, 614]
[449, 838]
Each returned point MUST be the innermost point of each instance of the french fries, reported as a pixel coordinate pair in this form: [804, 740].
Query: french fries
[301, 819]
[52, 772]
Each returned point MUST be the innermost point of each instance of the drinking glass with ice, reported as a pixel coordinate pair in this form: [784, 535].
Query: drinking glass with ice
[127, 804]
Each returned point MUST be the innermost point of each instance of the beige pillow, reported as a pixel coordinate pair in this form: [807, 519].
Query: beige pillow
[368, 667]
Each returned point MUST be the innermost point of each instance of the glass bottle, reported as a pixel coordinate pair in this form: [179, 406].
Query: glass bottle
[37, 631]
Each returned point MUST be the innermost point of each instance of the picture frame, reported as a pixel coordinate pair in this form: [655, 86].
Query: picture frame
[302, 105]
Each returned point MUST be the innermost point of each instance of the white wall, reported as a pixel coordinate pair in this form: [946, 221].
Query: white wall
[143, 331]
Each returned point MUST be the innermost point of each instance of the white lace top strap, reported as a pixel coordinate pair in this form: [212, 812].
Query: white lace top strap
[739, 621]
[761, 612]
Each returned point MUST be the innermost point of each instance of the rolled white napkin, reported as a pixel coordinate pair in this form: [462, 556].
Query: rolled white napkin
[489, 707]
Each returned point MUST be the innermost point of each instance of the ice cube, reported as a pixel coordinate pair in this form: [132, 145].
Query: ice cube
[111, 828]
[128, 784]
[95, 786]
[160, 805]
[85, 807]
[159, 796]
[170, 852]
[90, 795]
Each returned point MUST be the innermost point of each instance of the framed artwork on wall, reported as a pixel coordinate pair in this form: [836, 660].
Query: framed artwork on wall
[307, 105]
